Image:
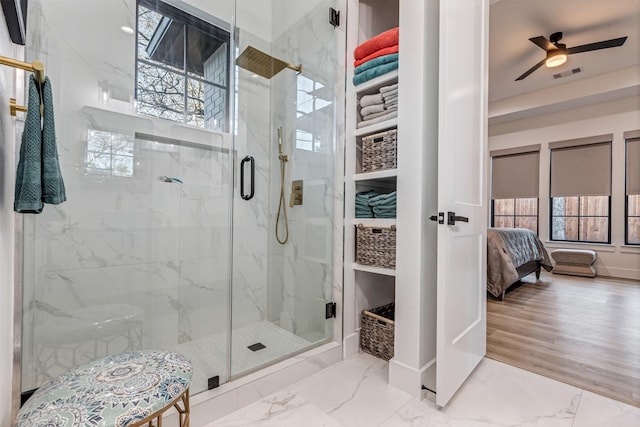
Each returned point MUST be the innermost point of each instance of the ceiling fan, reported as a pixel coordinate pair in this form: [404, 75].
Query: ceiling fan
[557, 52]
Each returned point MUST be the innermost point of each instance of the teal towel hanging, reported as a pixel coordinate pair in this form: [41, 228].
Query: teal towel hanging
[28, 191]
[53, 191]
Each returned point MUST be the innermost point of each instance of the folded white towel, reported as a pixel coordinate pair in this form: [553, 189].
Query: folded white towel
[391, 99]
[387, 116]
[375, 108]
[367, 100]
[374, 115]
[384, 89]
[389, 93]
[391, 106]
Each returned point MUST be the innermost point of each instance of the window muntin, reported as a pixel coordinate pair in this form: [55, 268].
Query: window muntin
[181, 67]
[516, 213]
[580, 219]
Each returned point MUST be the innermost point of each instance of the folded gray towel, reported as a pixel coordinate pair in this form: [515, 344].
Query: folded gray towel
[384, 89]
[371, 109]
[367, 100]
[390, 93]
[391, 99]
[388, 116]
[374, 115]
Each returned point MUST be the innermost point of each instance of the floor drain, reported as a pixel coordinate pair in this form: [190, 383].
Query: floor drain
[257, 346]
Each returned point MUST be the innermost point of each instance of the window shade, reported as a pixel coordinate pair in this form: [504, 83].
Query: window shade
[515, 176]
[633, 166]
[582, 170]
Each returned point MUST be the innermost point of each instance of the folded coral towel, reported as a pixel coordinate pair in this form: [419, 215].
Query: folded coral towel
[376, 54]
[384, 59]
[371, 109]
[367, 100]
[374, 72]
[382, 40]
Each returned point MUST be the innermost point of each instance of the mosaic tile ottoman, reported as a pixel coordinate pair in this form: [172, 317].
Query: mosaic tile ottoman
[124, 390]
[574, 262]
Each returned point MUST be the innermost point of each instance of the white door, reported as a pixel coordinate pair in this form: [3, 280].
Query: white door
[462, 141]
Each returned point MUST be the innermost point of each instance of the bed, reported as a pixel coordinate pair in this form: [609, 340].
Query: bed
[513, 253]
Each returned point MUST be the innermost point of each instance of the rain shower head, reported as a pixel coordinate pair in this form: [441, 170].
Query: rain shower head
[263, 64]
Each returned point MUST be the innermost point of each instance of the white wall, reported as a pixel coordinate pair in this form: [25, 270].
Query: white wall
[616, 117]
[7, 171]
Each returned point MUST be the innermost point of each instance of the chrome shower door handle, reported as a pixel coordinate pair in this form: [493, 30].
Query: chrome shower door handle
[252, 163]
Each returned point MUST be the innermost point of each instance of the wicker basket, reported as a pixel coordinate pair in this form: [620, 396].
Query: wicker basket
[376, 334]
[376, 246]
[379, 151]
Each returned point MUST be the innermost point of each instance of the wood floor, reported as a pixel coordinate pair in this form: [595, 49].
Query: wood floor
[583, 332]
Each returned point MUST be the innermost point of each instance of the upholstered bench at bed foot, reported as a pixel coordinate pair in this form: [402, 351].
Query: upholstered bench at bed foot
[574, 262]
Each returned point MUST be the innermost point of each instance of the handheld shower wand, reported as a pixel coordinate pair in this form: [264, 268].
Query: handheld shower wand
[282, 207]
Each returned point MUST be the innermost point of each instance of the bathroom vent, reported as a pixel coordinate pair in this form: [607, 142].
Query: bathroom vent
[567, 73]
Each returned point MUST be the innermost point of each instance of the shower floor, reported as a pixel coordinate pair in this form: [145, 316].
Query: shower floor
[209, 357]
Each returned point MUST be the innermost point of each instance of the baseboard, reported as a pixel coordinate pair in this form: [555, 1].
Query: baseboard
[211, 405]
[411, 380]
[352, 344]
[618, 273]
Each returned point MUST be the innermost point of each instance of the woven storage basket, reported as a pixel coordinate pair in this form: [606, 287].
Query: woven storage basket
[376, 334]
[379, 151]
[376, 246]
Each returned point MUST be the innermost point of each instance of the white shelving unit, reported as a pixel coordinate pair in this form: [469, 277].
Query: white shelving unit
[426, 285]
[366, 286]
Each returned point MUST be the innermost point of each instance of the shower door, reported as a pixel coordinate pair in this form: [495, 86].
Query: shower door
[154, 247]
[280, 291]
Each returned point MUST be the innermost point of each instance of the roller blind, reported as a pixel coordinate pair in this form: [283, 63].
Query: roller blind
[633, 166]
[580, 170]
[515, 175]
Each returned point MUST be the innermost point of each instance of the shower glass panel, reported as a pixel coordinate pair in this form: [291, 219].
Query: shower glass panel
[280, 290]
[154, 247]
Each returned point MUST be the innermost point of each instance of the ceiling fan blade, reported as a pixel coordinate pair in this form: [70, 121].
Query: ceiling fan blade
[543, 43]
[597, 46]
[531, 70]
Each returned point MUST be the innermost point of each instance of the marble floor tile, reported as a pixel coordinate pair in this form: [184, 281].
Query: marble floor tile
[597, 411]
[355, 392]
[497, 395]
[283, 409]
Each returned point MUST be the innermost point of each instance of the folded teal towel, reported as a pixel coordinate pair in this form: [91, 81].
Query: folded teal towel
[374, 72]
[53, 191]
[384, 59]
[38, 178]
[28, 192]
[384, 200]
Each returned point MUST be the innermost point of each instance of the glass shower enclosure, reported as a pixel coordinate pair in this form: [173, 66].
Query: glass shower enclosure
[162, 140]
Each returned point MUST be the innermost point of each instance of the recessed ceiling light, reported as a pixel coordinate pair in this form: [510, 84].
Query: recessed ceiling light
[126, 29]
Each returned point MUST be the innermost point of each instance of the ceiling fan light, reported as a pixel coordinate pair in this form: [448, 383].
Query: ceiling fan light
[556, 58]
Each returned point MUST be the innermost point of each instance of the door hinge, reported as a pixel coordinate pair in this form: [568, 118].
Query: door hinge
[330, 310]
[213, 382]
[334, 17]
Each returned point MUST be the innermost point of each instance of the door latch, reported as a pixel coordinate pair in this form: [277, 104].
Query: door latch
[452, 218]
[439, 217]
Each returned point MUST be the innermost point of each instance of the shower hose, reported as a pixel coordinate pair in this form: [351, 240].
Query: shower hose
[282, 207]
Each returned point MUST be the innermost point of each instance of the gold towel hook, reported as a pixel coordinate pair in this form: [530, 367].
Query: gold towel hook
[36, 67]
